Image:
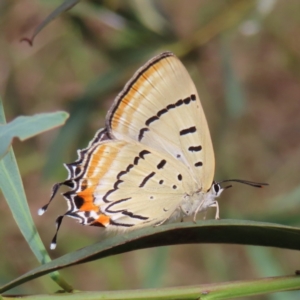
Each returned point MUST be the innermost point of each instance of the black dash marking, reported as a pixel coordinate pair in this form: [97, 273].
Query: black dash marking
[143, 153]
[179, 177]
[198, 164]
[193, 97]
[146, 179]
[178, 155]
[131, 215]
[141, 134]
[108, 208]
[187, 100]
[161, 112]
[188, 130]
[150, 120]
[170, 106]
[116, 184]
[111, 222]
[121, 174]
[128, 168]
[174, 187]
[78, 201]
[104, 198]
[151, 197]
[195, 148]
[136, 160]
[179, 102]
[161, 164]
[161, 181]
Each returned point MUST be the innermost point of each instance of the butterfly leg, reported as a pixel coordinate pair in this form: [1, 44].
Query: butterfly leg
[197, 210]
[216, 205]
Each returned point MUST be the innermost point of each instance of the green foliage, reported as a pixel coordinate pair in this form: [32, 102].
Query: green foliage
[11, 183]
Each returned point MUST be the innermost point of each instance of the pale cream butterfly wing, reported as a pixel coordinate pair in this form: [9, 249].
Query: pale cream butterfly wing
[160, 107]
[126, 185]
[154, 161]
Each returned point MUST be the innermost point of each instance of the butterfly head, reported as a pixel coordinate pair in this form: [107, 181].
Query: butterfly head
[216, 189]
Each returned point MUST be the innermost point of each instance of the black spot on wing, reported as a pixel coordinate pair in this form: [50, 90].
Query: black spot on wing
[161, 181]
[161, 112]
[136, 160]
[121, 174]
[187, 100]
[170, 106]
[195, 148]
[116, 184]
[146, 179]
[141, 134]
[78, 201]
[198, 164]
[188, 130]
[179, 177]
[156, 117]
[152, 119]
[161, 164]
[143, 153]
[128, 168]
[179, 102]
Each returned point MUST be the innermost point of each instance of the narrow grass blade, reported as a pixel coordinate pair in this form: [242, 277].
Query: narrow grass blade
[219, 291]
[67, 4]
[13, 191]
[210, 231]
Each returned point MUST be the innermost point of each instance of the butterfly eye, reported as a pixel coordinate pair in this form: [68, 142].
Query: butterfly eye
[216, 188]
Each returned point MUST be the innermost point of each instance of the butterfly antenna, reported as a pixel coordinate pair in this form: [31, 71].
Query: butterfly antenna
[251, 183]
[54, 240]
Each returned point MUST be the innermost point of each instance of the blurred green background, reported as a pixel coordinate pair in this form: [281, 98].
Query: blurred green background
[244, 57]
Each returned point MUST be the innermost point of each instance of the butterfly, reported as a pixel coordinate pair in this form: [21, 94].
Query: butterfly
[154, 160]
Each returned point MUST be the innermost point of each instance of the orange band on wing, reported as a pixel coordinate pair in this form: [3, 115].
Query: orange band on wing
[132, 98]
[94, 175]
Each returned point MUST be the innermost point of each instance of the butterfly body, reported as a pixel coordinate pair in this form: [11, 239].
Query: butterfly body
[154, 160]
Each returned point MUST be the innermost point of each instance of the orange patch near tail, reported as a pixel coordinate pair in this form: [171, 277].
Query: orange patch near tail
[102, 221]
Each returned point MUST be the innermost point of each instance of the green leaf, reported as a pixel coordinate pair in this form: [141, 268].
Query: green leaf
[25, 127]
[210, 231]
[219, 291]
[13, 191]
[67, 4]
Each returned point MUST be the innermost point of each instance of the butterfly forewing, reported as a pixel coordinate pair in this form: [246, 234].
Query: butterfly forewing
[160, 107]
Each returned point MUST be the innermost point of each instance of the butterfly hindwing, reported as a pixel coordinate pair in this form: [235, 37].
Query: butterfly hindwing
[160, 107]
[127, 184]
